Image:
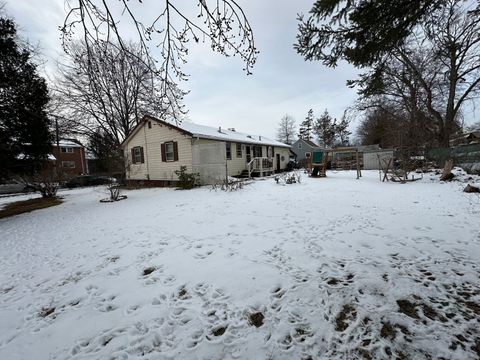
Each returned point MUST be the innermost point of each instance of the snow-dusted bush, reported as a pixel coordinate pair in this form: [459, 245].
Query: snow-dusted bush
[230, 184]
[186, 180]
[293, 177]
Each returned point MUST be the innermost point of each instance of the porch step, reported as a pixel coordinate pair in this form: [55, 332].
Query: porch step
[243, 174]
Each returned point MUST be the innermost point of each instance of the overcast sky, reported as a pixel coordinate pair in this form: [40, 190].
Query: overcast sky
[221, 94]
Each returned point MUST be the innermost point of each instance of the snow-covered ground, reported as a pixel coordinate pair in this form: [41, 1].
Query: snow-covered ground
[333, 268]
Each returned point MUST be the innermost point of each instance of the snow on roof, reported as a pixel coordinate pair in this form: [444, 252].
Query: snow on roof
[67, 143]
[208, 132]
[22, 156]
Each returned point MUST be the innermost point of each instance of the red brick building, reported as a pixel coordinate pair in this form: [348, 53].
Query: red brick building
[70, 157]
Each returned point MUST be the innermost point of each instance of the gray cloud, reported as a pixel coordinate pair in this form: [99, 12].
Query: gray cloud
[220, 92]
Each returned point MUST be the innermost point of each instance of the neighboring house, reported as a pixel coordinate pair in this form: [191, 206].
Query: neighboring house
[471, 137]
[303, 149]
[155, 149]
[70, 157]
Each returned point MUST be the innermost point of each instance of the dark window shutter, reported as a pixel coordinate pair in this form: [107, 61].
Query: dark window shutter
[175, 151]
[141, 155]
[133, 155]
[164, 155]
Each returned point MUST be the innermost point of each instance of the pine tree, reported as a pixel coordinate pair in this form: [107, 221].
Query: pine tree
[306, 127]
[342, 133]
[325, 129]
[25, 139]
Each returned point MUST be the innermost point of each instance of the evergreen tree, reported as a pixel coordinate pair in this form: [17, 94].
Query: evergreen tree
[341, 131]
[325, 129]
[306, 127]
[25, 139]
[360, 32]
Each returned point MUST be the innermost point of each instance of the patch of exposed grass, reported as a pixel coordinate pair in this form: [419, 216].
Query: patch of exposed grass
[46, 311]
[345, 317]
[148, 270]
[256, 319]
[219, 331]
[20, 207]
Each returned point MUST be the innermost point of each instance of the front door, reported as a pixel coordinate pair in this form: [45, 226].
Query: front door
[249, 157]
[278, 162]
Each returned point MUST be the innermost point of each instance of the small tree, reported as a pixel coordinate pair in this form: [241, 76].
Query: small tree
[286, 130]
[306, 127]
[186, 181]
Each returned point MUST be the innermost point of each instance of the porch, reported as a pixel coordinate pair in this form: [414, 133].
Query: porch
[259, 166]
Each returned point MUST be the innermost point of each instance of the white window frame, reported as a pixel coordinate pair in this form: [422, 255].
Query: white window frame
[68, 162]
[169, 153]
[64, 149]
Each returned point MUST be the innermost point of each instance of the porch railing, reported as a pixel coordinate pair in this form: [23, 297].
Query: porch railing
[262, 165]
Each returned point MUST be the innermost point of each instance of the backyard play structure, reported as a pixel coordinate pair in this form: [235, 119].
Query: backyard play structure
[319, 161]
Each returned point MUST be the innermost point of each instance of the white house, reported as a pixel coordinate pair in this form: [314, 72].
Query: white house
[155, 149]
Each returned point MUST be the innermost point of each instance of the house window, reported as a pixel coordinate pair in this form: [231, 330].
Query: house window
[257, 151]
[66, 150]
[137, 154]
[68, 164]
[239, 150]
[228, 147]
[169, 151]
[149, 124]
[308, 155]
[299, 145]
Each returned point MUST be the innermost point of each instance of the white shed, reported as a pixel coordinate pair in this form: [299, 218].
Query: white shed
[371, 158]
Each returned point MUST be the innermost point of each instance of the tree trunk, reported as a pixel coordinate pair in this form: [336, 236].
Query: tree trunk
[447, 171]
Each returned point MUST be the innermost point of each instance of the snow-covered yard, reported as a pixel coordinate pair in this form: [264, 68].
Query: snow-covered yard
[333, 268]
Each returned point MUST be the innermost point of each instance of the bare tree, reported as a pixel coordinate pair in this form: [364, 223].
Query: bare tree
[107, 91]
[382, 124]
[222, 23]
[286, 130]
[435, 71]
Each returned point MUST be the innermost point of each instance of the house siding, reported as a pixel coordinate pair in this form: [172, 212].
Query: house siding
[151, 140]
[300, 153]
[285, 153]
[77, 157]
[209, 160]
[204, 156]
[236, 165]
